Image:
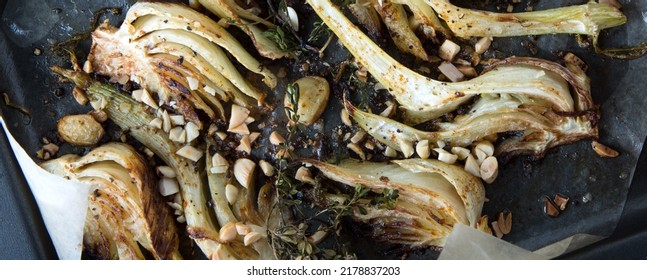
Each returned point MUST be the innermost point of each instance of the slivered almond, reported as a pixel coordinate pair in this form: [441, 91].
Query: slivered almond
[166, 122]
[482, 45]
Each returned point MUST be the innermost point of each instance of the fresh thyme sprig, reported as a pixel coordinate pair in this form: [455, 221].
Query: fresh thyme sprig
[320, 29]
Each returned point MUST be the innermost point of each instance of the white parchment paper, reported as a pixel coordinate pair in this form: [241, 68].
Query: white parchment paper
[62, 203]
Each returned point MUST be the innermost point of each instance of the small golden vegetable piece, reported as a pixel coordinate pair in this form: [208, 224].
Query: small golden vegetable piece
[345, 118]
[482, 225]
[314, 92]
[357, 150]
[80, 130]
[244, 171]
[79, 96]
[231, 193]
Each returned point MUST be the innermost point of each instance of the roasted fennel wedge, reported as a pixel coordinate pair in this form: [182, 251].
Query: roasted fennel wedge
[423, 98]
[433, 196]
[125, 210]
[135, 118]
[178, 55]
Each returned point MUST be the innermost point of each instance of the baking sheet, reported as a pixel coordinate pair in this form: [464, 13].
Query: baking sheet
[573, 170]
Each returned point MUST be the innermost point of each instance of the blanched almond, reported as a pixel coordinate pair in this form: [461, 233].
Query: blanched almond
[358, 136]
[422, 149]
[461, 152]
[276, 138]
[486, 147]
[193, 83]
[472, 167]
[390, 152]
[190, 153]
[267, 168]
[218, 160]
[489, 169]
[192, 131]
[448, 50]
[245, 145]
[177, 120]
[166, 171]
[406, 147]
[303, 174]
[168, 186]
[253, 137]
[228, 232]
[156, 123]
[357, 150]
[231, 193]
[447, 157]
[238, 116]
[243, 229]
[251, 238]
[241, 129]
[177, 134]
[244, 171]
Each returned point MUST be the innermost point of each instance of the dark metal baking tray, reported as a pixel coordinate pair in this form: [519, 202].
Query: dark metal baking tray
[574, 169]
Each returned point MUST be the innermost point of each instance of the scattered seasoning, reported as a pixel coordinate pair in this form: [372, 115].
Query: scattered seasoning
[10, 104]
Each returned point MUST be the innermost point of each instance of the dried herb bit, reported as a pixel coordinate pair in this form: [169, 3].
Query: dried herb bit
[10, 104]
[621, 53]
[320, 30]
